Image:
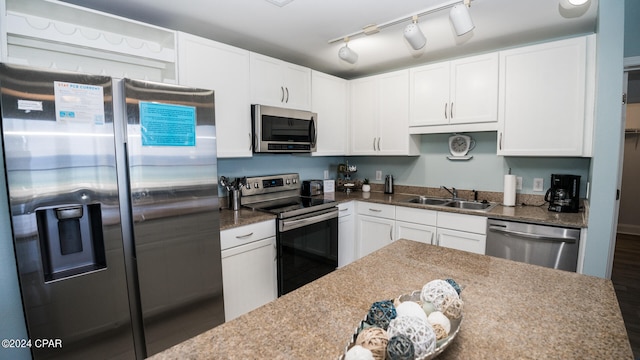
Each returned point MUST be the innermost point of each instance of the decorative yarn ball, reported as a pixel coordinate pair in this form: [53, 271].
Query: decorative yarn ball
[454, 284]
[400, 347]
[357, 352]
[435, 291]
[428, 307]
[381, 313]
[439, 318]
[410, 308]
[440, 332]
[375, 339]
[417, 330]
[452, 307]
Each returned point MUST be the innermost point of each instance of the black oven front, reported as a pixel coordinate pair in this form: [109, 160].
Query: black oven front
[307, 248]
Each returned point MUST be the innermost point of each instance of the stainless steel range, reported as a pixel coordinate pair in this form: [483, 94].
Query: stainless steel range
[306, 228]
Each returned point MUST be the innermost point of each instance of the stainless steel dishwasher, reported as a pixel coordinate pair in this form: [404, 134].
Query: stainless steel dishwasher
[550, 246]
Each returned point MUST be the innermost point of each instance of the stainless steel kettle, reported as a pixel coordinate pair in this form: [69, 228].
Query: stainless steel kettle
[388, 184]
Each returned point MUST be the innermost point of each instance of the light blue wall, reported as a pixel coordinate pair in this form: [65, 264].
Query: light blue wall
[605, 165]
[631, 28]
[12, 325]
[484, 172]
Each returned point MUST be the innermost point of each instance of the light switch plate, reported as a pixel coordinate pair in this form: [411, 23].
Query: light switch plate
[378, 174]
[326, 174]
[518, 182]
[538, 184]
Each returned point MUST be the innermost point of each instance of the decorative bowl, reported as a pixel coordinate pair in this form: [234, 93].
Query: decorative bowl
[441, 344]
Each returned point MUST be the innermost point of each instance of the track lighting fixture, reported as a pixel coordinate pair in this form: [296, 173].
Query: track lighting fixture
[414, 35]
[461, 19]
[346, 54]
[459, 16]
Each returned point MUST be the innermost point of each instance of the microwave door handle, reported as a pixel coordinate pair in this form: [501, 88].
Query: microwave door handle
[312, 132]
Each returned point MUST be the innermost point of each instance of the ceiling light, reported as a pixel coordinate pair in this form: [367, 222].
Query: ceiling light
[414, 35]
[346, 54]
[461, 19]
[572, 4]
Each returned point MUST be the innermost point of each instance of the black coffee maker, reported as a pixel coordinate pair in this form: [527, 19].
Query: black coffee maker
[564, 194]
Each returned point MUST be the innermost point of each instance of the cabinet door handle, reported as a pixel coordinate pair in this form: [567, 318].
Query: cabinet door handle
[250, 142]
[275, 251]
[374, 143]
[345, 209]
[378, 144]
[244, 236]
[282, 92]
[438, 239]
[287, 90]
[500, 142]
[445, 110]
[451, 111]
[375, 210]
[431, 239]
[391, 233]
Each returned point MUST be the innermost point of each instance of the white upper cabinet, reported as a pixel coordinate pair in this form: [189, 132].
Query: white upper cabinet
[546, 99]
[278, 83]
[329, 99]
[458, 95]
[211, 65]
[380, 115]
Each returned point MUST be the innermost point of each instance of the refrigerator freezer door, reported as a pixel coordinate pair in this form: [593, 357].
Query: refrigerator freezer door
[58, 138]
[171, 146]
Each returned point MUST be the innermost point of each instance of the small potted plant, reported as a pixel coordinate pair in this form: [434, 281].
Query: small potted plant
[365, 186]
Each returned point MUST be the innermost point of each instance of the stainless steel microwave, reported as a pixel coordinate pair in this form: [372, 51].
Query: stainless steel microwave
[280, 130]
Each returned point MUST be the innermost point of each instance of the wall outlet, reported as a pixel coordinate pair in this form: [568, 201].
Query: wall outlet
[326, 174]
[538, 184]
[378, 174]
[518, 182]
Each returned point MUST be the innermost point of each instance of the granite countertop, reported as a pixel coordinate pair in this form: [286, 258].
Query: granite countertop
[530, 213]
[512, 310]
[230, 219]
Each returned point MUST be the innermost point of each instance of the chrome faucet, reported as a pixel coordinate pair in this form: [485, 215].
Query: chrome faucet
[453, 192]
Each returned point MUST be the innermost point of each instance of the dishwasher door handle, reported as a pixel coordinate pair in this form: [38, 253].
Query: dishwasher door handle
[531, 235]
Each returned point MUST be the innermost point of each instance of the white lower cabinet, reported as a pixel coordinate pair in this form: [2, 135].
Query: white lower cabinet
[248, 267]
[416, 224]
[462, 232]
[346, 234]
[374, 227]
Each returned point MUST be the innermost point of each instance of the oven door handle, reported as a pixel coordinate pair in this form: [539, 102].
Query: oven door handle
[304, 220]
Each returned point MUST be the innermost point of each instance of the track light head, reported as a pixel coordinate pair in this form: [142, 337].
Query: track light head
[572, 4]
[461, 19]
[346, 54]
[414, 35]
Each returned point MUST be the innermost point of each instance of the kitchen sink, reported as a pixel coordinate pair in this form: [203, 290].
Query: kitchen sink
[470, 205]
[459, 204]
[429, 201]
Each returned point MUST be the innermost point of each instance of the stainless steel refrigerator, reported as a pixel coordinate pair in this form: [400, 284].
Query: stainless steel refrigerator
[113, 196]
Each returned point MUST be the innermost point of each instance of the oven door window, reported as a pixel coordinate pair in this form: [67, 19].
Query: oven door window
[306, 254]
[276, 128]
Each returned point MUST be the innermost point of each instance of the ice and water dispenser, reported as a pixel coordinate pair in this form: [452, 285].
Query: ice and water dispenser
[71, 240]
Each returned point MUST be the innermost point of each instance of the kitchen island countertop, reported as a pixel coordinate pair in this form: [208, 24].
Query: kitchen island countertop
[512, 311]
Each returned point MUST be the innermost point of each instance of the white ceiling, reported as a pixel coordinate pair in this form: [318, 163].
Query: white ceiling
[299, 32]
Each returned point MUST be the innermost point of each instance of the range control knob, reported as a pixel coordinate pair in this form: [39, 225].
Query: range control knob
[295, 181]
[288, 181]
[256, 185]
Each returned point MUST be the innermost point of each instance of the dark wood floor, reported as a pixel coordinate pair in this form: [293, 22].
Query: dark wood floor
[625, 276]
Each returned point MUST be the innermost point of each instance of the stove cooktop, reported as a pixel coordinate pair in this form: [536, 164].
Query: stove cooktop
[293, 206]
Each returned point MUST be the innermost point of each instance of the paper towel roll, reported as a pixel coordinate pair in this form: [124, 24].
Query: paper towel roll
[509, 190]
